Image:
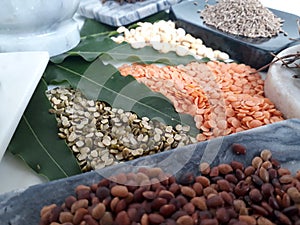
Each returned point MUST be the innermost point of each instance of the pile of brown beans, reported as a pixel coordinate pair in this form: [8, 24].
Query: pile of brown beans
[262, 193]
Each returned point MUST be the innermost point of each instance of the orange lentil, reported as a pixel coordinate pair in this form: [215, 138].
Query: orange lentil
[223, 98]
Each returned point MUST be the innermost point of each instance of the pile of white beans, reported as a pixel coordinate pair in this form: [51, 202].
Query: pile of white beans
[164, 37]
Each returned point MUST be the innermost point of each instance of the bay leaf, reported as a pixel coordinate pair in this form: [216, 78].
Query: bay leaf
[37, 143]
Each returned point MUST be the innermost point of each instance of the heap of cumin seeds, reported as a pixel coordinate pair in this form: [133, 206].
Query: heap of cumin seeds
[244, 18]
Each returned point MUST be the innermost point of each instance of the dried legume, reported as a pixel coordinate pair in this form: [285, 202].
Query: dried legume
[223, 98]
[247, 202]
[164, 37]
[245, 18]
[100, 135]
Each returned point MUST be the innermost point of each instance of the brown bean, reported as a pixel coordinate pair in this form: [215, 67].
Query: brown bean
[178, 214]
[175, 188]
[267, 207]
[113, 203]
[209, 190]
[249, 170]
[222, 215]
[69, 201]
[199, 202]
[209, 222]
[259, 210]
[155, 218]
[122, 218]
[256, 180]
[255, 195]
[267, 165]
[242, 188]
[132, 214]
[250, 220]
[238, 205]
[145, 220]
[185, 220]
[239, 174]
[282, 218]
[214, 172]
[79, 214]
[189, 208]
[266, 154]
[225, 168]
[106, 219]
[286, 179]
[65, 217]
[188, 191]
[237, 165]
[187, 179]
[273, 202]
[102, 192]
[204, 181]
[149, 195]
[90, 220]
[204, 168]
[264, 221]
[98, 211]
[272, 173]
[215, 201]
[256, 162]
[267, 190]
[82, 203]
[198, 188]
[83, 192]
[238, 149]
[291, 210]
[231, 178]
[138, 194]
[166, 194]
[121, 206]
[167, 210]
[264, 174]
[286, 200]
[228, 199]
[158, 202]
[119, 191]
[47, 209]
[283, 171]
[294, 194]
[224, 185]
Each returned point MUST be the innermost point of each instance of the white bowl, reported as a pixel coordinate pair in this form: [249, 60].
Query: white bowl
[38, 25]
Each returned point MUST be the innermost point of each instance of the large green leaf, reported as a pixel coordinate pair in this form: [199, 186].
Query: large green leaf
[94, 46]
[37, 143]
[36, 140]
[104, 82]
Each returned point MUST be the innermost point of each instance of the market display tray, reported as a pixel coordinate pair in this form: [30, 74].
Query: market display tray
[116, 14]
[255, 52]
[282, 138]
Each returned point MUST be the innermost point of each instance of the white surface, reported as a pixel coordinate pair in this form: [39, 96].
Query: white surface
[290, 6]
[35, 25]
[19, 76]
[281, 88]
[20, 73]
[15, 174]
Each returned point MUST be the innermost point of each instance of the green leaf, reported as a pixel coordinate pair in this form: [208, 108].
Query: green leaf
[108, 50]
[104, 82]
[93, 27]
[37, 143]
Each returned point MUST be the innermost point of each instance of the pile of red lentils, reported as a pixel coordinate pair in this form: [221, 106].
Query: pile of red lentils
[223, 98]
